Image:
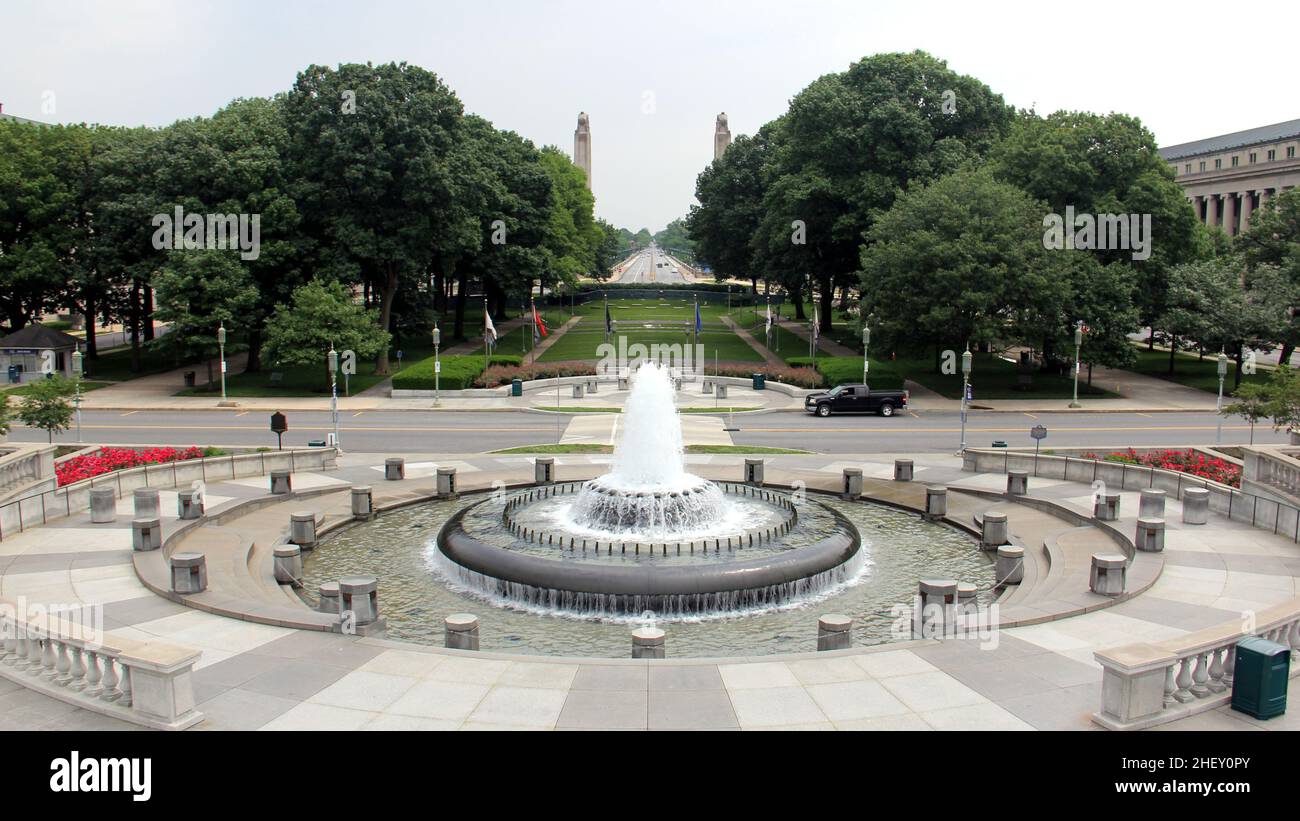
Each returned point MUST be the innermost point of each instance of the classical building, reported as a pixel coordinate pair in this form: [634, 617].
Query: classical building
[1228, 177]
[582, 145]
[721, 136]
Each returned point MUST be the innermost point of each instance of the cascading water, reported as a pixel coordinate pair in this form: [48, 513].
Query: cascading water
[648, 492]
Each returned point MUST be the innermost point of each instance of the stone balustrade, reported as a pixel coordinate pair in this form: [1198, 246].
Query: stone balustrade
[23, 465]
[1147, 684]
[145, 683]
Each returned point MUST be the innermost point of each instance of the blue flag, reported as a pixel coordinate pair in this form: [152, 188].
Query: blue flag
[699, 325]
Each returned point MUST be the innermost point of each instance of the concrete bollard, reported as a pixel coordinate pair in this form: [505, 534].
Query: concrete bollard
[852, 484]
[904, 470]
[1010, 565]
[937, 592]
[707, 386]
[1152, 504]
[967, 598]
[394, 469]
[1105, 507]
[993, 532]
[1109, 574]
[544, 470]
[936, 503]
[648, 643]
[834, 632]
[446, 483]
[145, 503]
[1150, 535]
[677, 384]
[577, 391]
[363, 502]
[592, 386]
[622, 383]
[281, 483]
[460, 631]
[329, 597]
[937, 600]
[288, 563]
[360, 595]
[103, 505]
[754, 472]
[189, 504]
[720, 391]
[1017, 482]
[302, 529]
[1196, 506]
[189, 573]
[146, 534]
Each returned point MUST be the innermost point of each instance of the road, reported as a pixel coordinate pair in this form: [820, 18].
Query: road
[474, 432]
[644, 268]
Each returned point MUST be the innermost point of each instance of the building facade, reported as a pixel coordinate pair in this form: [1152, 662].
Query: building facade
[1227, 178]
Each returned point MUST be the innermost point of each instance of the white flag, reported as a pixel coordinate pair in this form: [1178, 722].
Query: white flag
[489, 330]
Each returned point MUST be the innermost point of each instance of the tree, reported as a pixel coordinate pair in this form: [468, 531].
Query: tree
[5, 413]
[731, 191]
[321, 316]
[572, 235]
[1273, 242]
[1277, 398]
[46, 405]
[609, 251]
[198, 292]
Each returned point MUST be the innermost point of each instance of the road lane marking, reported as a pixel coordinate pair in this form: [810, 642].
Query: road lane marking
[1031, 416]
[358, 413]
[128, 413]
[324, 426]
[989, 430]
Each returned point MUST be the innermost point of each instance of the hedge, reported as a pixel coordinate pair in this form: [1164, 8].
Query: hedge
[458, 372]
[847, 370]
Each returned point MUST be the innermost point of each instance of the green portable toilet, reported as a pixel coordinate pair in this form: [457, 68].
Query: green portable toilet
[516, 387]
[760, 381]
[1259, 678]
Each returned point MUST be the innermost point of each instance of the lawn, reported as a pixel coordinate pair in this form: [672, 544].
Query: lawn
[302, 380]
[86, 387]
[582, 340]
[1192, 371]
[115, 365]
[991, 378]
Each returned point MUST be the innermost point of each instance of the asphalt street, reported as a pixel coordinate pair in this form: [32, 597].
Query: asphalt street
[645, 268]
[472, 432]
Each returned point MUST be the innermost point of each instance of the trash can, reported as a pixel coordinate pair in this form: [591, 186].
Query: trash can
[516, 387]
[15, 374]
[760, 381]
[189, 379]
[1259, 678]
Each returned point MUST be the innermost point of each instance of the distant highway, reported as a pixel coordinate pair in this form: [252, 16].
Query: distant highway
[651, 266]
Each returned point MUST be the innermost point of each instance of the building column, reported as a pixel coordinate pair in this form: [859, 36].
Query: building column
[1230, 214]
[1265, 194]
[1247, 208]
[1212, 210]
[1198, 208]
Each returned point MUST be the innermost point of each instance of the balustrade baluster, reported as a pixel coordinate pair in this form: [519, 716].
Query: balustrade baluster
[63, 664]
[1201, 675]
[110, 691]
[93, 675]
[1170, 684]
[1229, 664]
[125, 700]
[78, 672]
[48, 660]
[1183, 694]
[1216, 684]
[31, 653]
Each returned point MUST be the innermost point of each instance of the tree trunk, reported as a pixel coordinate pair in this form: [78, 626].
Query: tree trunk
[147, 314]
[134, 321]
[386, 297]
[462, 297]
[92, 349]
[1284, 356]
[254, 363]
[1173, 352]
[1236, 373]
[796, 293]
[828, 304]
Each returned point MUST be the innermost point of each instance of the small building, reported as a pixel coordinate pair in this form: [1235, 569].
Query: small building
[23, 354]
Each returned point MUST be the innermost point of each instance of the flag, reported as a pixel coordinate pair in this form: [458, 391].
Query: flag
[814, 329]
[768, 328]
[699, 324]
[489, 330]
[539, 327]
[609, 320]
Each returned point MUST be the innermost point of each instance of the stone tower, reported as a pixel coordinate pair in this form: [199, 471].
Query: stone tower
[721, 136]
[582, 146]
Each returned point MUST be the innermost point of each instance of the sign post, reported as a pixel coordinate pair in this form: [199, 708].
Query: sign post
[279, 424]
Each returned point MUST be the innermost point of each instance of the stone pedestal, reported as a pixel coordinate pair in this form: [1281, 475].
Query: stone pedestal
[622, 383]
[103, 505]
[329, 597]
[904, 470]
[1196, 506]
[189, 504]
[145, 502]
[1106, 507]
[677, 383]
[993, 533]
[189, 573]
[707, 386]
[544, 470]
[577, 391]
[834, 632]
[754, 472]
[460, 631]
[1010, 565]
[1017, 482]
[967, 603]
[1109, 574]
[394, 468]
[648, 643]
[592, 386]
[302, 529]
[360, 595]
[280, 482]
[1150, 535]
[363, 502]
[446, 483]
[1152, 504]
[288, 563]
[146, 534]
[936, 503]
[852, 487]
[937, 592]
[720, 391]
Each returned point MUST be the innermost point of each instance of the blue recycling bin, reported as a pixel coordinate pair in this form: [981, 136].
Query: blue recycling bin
[1260, 677]
[760, 381]
[516, 387]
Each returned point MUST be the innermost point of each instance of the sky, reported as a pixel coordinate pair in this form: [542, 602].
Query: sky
[652, 76]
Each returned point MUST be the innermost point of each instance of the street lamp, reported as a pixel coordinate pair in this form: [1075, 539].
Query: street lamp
[77, 370]
[1218, 405]
[333, 359]
[965, 391]
[221, 346]
[866, 348]
[437, 366]
[1078, 342]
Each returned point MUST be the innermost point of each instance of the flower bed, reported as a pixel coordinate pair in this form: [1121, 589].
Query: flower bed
[1191, 462]
[502, 374]
[106, 460]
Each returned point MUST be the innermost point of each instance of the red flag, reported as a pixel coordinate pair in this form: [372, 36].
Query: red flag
[537, 321]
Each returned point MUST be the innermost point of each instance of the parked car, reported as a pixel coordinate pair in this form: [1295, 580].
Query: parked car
[855, 399]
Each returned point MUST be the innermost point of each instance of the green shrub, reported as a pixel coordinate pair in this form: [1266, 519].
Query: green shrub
[458, 372]
[844, 370]
[800, 376]
[502, 374]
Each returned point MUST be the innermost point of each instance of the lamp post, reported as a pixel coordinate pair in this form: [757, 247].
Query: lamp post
[437, 367]
[333, 359]
[221, 347]
[866, 349]
[1218, 404]
[965, 391]
[77, 371]
[1078, 343]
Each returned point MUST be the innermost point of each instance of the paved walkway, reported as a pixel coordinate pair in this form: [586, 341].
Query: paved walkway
[258, 676]
[824, 343]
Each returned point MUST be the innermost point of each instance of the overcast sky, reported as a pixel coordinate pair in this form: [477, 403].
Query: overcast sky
[652, 75]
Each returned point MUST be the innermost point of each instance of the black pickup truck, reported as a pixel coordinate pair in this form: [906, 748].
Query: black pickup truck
[855, 399]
